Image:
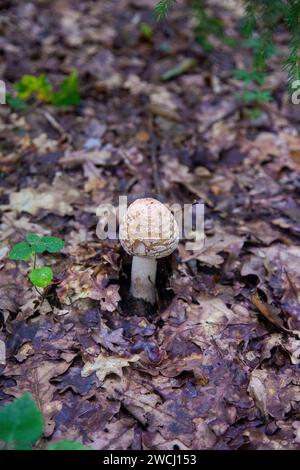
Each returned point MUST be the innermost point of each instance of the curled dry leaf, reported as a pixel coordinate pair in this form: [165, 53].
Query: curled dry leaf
[258, 392]
[104, 365]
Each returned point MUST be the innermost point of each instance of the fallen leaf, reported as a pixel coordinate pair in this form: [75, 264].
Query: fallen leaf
[33, 376]
[57, 198]
[104, 365]
[162, 103]
[214, 245]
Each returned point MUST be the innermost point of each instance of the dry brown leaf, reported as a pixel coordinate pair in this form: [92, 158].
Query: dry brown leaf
[104, 365]
[257, 390]
[214, 245]
[33, 376]
[119, 435]
[57, 198]
[2, 352]
[162, 103]
[12, 223]
[274, 391]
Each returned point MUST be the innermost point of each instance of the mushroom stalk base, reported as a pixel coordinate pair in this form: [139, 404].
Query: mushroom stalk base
[143, 274]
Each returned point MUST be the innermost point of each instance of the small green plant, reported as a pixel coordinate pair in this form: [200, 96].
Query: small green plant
[257, 96]
[207, 25]
[40, 87]
[162, 8]
[253, 94]
[28, 250]
[21, 426]
[146, 31]
[248, 76]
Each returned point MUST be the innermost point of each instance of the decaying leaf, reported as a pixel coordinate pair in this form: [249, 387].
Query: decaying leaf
[33, 376]
[104, 365]
[57, 198]
[214, 245]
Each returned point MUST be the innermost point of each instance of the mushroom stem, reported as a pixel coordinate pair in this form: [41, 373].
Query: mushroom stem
[143, 273]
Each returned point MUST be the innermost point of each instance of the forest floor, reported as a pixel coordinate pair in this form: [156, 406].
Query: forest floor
[217, 366]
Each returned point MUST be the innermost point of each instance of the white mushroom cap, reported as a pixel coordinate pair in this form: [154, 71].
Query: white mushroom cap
[149, 229]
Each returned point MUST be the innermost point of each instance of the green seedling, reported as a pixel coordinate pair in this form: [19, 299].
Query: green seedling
[146, 31]
[257, 96]
[21, 426]
[248, 76]
[30, 85]
[29, 249]
[162, 8]
[40, 87]
[254, 95]
[253, 114]
[68, 94]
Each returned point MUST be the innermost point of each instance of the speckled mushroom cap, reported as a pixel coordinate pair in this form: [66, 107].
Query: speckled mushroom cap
[149, 229]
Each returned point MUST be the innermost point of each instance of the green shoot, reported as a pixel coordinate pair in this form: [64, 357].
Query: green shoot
[162, 9]
[146, 31]
[257, 96]
[248, 76]
[34, 244]
[40, 87]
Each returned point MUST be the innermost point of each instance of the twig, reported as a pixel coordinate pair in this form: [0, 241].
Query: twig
[54, 123]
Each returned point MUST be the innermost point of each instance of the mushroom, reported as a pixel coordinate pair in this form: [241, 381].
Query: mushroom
[148, 231]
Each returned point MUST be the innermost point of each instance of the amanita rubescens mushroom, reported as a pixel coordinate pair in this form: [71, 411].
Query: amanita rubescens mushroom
[148, 231]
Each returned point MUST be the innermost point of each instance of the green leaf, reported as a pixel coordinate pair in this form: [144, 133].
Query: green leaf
[32, 238]
[68, 95]
[29, 85]
[230, 41]
[253, 114]
[53, 244]
[21, 421]
[248, 76]
[39, 247]
[41, 277]
[162, 8]
[67, 445]
[16, 103]
[257, 96]
[45, 243]
[146, 31]
[20, 252]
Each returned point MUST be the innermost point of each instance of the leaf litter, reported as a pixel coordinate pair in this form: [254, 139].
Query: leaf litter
[217, 367]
